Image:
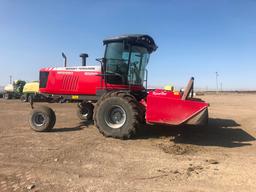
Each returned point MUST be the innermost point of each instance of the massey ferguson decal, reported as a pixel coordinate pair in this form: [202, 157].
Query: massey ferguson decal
[91, 73]
[65, 72]
[159, 93]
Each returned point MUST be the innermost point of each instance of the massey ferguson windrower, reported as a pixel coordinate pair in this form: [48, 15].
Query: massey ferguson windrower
[114, 94]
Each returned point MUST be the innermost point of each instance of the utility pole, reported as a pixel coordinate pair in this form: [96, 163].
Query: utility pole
[10, 79]
[217, 87]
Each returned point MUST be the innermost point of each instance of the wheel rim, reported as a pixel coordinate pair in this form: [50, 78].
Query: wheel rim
[39, 119]
[115, 117]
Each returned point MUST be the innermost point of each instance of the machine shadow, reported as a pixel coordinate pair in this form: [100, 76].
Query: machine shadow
[218, 132]
[81, 125]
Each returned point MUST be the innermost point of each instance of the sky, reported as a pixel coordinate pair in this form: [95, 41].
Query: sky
[194, 37]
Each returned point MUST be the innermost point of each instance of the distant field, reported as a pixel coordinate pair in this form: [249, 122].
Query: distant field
[231, 92]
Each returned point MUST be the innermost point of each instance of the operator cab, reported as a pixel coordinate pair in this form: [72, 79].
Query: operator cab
[126, 58]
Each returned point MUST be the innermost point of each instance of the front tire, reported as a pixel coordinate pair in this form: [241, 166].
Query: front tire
[42, 119]
[117, 115]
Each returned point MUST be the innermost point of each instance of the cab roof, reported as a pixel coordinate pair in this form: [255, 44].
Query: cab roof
[137, 39]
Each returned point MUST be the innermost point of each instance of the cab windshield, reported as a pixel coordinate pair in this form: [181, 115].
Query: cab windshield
[125, 64]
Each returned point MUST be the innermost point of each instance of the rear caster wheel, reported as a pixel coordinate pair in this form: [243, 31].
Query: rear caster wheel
[42, 119]
[85, 111]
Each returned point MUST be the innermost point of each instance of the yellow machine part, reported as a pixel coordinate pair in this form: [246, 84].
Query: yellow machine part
[8, 88]
[169, 88]
[32, 87]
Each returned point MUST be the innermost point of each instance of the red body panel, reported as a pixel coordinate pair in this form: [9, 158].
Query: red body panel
[78, 81]
[167, 107]
[71, 82]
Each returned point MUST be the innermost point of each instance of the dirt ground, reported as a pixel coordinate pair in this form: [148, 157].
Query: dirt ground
[76, 157]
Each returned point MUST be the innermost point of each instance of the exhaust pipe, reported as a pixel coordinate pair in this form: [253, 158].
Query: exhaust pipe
[65, 59]
[84, 56]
